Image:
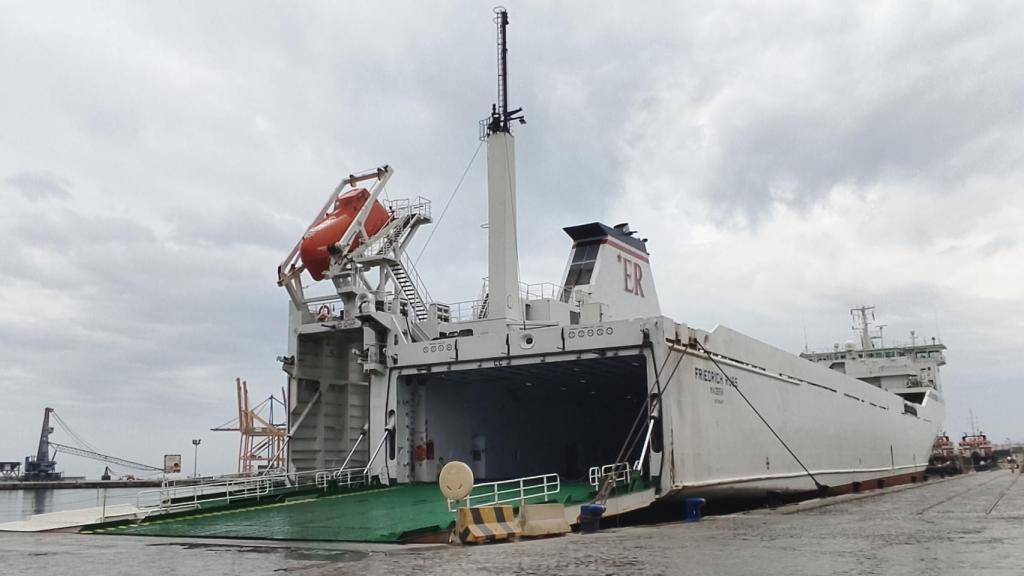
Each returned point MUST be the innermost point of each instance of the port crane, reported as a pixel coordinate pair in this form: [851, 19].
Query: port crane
[262, 442]
[103, 457]
[44, 465]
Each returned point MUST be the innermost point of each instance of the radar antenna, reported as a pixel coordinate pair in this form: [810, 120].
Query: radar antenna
[501, 116]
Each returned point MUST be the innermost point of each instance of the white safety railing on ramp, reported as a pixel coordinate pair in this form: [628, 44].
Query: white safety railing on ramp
[175, 498]
[619, 473]
[504, 491]
[171, 498]
[344, 478]
[180, 498]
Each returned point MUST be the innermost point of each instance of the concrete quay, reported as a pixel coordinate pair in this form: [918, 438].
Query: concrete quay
[971, 524]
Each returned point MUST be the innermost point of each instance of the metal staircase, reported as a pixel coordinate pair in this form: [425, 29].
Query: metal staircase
[409, 289]
[482, 313]
[485, 300]
[387, 249]
[400, 228]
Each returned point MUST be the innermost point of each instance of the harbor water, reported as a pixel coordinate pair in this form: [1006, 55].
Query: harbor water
[18, 504]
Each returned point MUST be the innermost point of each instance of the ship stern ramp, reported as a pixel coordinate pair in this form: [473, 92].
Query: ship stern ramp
[523, 402]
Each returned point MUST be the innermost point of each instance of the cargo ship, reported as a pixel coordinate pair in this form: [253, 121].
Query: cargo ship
[579, 380]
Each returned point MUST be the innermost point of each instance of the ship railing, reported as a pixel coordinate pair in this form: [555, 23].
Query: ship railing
[420, 286]
[343, 478]
[404, 213]
[175, 498]
[619, 472]
[179, 498]
[544, 290]
[383, 243]
[516, 490]
[401, 207]
[325, 307]
[467, 310]
[477, 309]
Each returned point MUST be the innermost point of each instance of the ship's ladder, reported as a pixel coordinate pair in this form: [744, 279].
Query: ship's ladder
[387, 249]
[410, 286]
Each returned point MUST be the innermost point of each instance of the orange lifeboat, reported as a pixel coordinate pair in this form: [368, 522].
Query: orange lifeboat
[317, 241]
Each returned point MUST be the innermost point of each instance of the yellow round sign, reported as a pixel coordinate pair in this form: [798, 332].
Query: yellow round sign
[455, 480]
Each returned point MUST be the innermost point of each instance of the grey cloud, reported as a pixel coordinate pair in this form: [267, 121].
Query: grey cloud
[201, 138]
[1000, 243]
[40, 185]
[793, 106]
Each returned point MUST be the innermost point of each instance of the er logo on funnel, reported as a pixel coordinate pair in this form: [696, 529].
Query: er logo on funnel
[632, 276]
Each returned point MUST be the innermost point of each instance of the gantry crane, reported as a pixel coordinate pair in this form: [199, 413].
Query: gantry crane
[261, 445]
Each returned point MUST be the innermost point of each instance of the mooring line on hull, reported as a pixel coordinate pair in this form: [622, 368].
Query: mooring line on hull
[648, 407]
[821, 487]
[657, 382]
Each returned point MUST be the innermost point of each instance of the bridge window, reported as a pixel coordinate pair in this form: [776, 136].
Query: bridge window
[582, 267]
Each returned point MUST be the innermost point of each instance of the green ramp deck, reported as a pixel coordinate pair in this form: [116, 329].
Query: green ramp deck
[382, 515]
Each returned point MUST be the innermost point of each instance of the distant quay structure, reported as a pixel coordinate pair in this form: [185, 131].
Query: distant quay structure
[70, 483]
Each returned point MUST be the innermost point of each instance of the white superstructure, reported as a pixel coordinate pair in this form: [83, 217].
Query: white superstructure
[568, 377]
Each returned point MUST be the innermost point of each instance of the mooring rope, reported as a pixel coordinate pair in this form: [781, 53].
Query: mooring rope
[735, 384]
[648, 407]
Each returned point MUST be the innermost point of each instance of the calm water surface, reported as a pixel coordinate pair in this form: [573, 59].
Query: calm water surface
[17, 504]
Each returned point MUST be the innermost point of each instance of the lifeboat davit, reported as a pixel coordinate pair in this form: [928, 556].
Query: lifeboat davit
[327, 232]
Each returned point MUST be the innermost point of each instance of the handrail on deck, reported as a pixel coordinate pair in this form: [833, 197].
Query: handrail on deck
[514, 490]
[620, 473]
[178, 498]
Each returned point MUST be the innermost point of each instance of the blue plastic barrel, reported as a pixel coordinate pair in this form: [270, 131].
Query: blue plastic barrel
[590, 517]
[694, 506]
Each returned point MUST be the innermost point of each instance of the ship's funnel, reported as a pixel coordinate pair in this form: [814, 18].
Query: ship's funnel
[611, 266]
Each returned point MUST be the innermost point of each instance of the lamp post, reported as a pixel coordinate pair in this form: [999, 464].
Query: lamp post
[195, 457]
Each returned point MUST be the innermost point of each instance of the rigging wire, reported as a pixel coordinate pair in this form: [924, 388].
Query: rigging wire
[735, 385]
[515, 228]
[648, 407]
[448, 203]
[67, 429]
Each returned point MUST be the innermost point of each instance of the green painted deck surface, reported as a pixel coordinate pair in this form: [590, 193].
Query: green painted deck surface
[382, 515]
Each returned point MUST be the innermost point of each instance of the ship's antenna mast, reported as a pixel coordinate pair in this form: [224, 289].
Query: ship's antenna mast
[502, 299]
[500, 114]
[862, 325]
[501, 19]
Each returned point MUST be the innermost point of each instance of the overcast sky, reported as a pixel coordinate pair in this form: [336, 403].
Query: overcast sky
[787, 161]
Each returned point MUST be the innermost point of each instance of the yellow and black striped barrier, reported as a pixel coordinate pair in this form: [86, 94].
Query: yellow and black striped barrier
[485, 524]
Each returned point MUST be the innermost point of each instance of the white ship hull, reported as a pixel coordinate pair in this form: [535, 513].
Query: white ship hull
[842, 429]
[713, 443]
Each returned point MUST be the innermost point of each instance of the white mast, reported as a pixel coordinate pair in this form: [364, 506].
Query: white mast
[862, 325]
[503, 255]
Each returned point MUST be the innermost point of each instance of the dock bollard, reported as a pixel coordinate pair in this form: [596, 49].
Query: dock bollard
[590, 517]
[694, 506]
